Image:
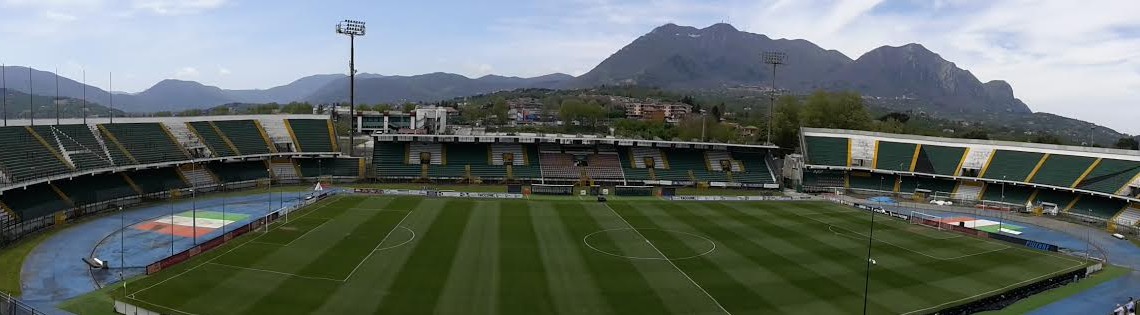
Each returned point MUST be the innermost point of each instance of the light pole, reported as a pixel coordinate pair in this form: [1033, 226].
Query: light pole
[774, 58]
[223, 210]
[1088, 239]
[352, 29]
[194, 213]
[867, 274]
[122, 247]
[1001, 217]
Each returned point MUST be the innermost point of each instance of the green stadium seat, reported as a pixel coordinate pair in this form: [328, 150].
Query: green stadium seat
[1012, 165]
[245, 135]
[340, 167]
[826, 151]
[1110, 175]
[1062, 170]
[871, 181]
[894, 156]
[78, 144]
[211, 138]
[239, 171]
[25, 157]
[34, 202]
[90, 189]
[389, 159]
[1014, 194]
[1058, 197]
[146, 142]
[312, 135]
[939, 160]
[756, 169]
[157, 180]
[1101, 207]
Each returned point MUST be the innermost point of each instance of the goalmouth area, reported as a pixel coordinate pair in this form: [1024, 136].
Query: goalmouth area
[371, 254]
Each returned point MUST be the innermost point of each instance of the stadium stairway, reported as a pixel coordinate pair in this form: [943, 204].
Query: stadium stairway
[716, 157]
[1129, 217]
[76, 144]
[498, 149]
[197, 176]
[969, 190]
[284, 170]
[640, 154]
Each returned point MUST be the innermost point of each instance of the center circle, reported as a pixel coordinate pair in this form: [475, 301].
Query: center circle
[649, 243]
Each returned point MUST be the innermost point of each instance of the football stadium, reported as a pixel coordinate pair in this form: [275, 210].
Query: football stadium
[280, 214]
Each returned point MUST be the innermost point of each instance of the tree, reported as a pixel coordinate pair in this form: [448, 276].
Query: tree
[409, 107]
[1046, 138]
[1127, 143]
[900, 117]
[220, 111]
[500, 110]
[836, 110]
[975, 134]
[786, 122]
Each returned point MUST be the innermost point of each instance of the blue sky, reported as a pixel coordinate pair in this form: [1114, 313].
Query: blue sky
[1061, 56]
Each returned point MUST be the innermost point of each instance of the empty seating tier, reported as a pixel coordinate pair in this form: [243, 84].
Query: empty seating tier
[343, 167]
[894, 156]
[212, 138]
[1098, 206]
[531, 171]
[390, 160]
[1012, 165]
[157, 180]
[460, 156]
[1058, 197]
[871, 181]
[25, 157]
[717, 157]
[89, 189]
[33, 202]
[1130, 216]
[826, 151]
[312, 135]
[1062, 170]
[641, 154]
[239, 171]
[933, 159]
[416, 151]
[559, 165]
[1017, 195]
[823, 179]
[628, 166]
[681, 162]
[284, 169]
[942, 187]
[1110, 175]
[498, 150]
[77, 144]
[245, 135]
[146, 142]
[756, 169]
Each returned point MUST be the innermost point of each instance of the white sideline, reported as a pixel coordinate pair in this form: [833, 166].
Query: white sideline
[273, 272]
[666, 258]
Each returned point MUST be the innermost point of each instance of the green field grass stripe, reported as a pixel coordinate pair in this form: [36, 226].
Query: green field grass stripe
[624, 287]
[716, 280]
[419, 283]
[524, 285]
[473, 287]
[573, 286]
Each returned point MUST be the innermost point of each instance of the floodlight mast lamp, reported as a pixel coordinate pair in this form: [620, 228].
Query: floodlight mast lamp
[774, 58]
[353, 29]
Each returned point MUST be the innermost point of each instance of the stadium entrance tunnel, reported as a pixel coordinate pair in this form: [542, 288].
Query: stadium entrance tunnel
[649, 244]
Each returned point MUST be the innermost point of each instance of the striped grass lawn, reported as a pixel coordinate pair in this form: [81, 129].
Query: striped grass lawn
[410, 255]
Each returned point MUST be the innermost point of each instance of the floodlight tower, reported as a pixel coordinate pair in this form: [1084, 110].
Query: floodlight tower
[352, 29]
[774, 58]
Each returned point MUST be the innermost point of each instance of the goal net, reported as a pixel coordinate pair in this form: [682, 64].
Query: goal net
[925, 219]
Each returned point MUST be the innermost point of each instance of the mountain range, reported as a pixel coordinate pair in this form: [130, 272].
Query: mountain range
[680, 58]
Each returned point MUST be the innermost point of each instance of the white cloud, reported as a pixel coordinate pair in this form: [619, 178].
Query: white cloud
[176, 7]
[59, 17]
[186, 73]
[223, 71]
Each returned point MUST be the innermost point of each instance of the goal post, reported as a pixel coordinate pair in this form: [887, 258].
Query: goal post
[925, 219]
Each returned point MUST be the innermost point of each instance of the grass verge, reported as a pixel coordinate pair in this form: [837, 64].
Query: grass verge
[12, 260]
[1048, 297]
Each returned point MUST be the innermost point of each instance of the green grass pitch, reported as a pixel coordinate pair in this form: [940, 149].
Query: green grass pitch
[410, 255]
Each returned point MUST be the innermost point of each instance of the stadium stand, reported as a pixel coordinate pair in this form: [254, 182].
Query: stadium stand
[814, 178]
[157, 180]
[90, 189]
[212, 138]
[229, 172]
[871, 181]
[558, 165]
[34, 201]
[1013, 194]
[1110, 175]
[755, 167]
[1060, 198]
[940, 160]
[77, 144]
[629, 166]
[26, 156]
[515, 150]
[640, 154]
[1100, 207]
[245, 135]
[390, 160]
[605, 165]
[716, 157]
[826, 150]
[533, 168]
[284, 169]
[684, 165]
[342, 167]
[894, 156]
[1062, 170]
[969, 190]
[145, 143]
[1012, 165]
[909, 184]
[197, 176]
[416, 151]
[312, 135]
[460, 156]
[1130, 216]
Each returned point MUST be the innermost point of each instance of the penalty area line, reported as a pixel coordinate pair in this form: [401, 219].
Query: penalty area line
[375, 249]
